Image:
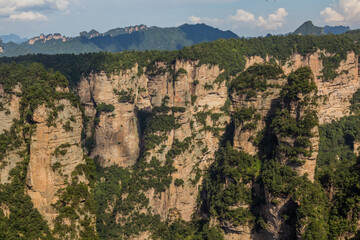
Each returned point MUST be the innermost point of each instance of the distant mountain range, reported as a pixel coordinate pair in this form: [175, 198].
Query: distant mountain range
[138, 37]
[308, 28]
[12, 38]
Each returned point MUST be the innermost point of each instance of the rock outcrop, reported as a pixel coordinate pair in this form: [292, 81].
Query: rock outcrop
[117, 133]
[113, 126]
[333, 101]
[55, 151]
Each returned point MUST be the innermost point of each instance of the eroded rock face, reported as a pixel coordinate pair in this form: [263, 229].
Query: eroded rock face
[118, 135]
[333, 103]
[264, 104]
[9, 162]
[9, 112]
[180, 201]
[119, 141]
[54, 154]
[10, 108]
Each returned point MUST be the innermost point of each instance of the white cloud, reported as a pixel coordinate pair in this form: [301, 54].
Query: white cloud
[194, 19]
[212, 21]
[62, 4]
[350, 9]
[30, 9]
[347, 11]
[330, 15]
[273, 21]
[27, 16]
[242, 16]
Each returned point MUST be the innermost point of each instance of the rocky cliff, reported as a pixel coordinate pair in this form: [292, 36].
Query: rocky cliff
[171, 147]
[202, 119]
[43, 165]
[195, 102]
[331, 102]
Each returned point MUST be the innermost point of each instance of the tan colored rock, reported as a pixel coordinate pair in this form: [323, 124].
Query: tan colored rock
[11, 112]
[11, 105]
[356, 148]
[333, 104]
[263, 103]
[43, 178]
[117, 137]
[182, 199]
[8, 163]
[274, 209]
[6, 210]
[336, 93]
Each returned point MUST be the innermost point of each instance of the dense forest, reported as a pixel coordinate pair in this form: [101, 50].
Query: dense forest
[326, 208]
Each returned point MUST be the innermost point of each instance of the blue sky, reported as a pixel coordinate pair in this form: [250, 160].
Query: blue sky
[29, 18]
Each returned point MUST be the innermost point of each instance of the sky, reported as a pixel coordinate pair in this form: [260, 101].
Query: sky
[29, 18]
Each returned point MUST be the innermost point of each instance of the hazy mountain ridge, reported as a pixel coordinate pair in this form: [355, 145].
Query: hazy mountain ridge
[308, 28]
[12, 38]
[138, 37]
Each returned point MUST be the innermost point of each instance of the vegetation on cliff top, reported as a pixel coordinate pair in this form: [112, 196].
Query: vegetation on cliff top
[231, 178]
[227, 54]
[37, 86]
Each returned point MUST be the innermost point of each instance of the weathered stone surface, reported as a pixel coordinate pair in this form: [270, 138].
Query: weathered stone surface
[43, 178]
[116, 135]
[11, 108]
[182, 199]
[118, 138]
[334, 102]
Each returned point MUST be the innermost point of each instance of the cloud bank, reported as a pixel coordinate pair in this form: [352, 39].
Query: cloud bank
[346, 11]
[29, 10]
[273, 21]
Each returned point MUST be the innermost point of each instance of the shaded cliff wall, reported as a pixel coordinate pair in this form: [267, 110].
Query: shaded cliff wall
[198, 100]
[44, 159]
[332, 101]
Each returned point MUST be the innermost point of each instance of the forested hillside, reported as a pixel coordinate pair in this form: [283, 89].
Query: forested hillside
[117, 40]
[234, 139]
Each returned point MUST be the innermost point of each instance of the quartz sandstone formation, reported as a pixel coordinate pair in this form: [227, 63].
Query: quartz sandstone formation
[181, 201]
[118, 135]
[11, 106]
[332, 104]
[44, 179]
[54, 150]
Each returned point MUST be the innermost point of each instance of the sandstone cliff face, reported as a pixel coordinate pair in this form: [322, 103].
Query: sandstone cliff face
[118, 135]
[264, 105]
[336, 93]
[332, 104]
[54, 154]
[45, 148]
[55, 150]
[180, 201]
[10, 108]
[10, 112]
